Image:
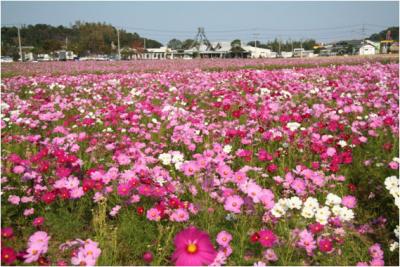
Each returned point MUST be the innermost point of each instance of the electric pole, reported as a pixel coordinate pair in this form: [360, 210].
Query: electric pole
[119, 47]
[144, 43]
[301, 48]
[279, 46]
[292, 46]
[19, 42]
[255, 39]
[66, 43]
[363, 32]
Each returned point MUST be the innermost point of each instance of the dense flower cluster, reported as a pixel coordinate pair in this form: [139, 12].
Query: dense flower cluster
[275, 167]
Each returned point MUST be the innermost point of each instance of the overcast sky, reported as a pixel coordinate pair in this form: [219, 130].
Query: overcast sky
[223, 21]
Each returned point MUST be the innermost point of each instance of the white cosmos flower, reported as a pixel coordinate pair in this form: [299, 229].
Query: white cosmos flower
[165, 158]
[294, 203]
[346, 214]
[307, 212]
[293, 126]
[394, 246]
[278, 210]
[322, 215]
[227, 149]
[332, 199]
[342, 143]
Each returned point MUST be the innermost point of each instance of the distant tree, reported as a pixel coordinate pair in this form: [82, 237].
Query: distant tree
[138, 44]
[187, 43]
[152, 43]
[236, 43]
[51, 45]
[252, 43]
[394, 32]
[175, 44]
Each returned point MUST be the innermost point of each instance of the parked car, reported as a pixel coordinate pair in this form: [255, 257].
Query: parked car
[6, 59]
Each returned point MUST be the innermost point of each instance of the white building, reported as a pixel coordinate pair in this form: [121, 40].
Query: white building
[287, 54]
[43, 57]
[300, 52]
[368, 48]
[158, 53]
[64, 55]
[257, 52]
[28, 56]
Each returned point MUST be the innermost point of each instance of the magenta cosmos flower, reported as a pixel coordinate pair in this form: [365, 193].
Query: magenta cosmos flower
[267, 238]
[193, 248]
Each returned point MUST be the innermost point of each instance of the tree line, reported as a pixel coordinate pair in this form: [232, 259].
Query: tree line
[82, 38]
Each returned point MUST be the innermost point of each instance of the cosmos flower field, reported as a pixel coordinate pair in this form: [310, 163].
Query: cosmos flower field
[184, 166]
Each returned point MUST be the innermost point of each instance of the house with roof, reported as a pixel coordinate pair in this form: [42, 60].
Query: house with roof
[368, 47]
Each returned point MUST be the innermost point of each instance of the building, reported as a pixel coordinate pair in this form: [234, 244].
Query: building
[301, 52]
[43, 57]
[257, 52]
[157, 53]
[286, 54]
[28, 56]
[327, 53]
[368, 47]
[63, 55]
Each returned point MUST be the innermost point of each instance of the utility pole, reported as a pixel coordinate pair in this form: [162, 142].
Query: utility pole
[363, 33]
[301, 48]
[279, 46]
[255, 39]
[66, 43]
[292, 46]
[19, 42]
[144, 43]
[119, 47]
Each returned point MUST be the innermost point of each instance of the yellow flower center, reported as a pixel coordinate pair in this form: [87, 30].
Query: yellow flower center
[6, 256]
[34, 252]
[191, 248]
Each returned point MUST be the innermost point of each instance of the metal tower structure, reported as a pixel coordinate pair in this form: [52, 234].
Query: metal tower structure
[200, 39]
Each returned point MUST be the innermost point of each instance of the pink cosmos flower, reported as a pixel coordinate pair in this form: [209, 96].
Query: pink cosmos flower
[18, 169]
[254, 191]
[28, 212]
[87, 254]
[38, 221]
[270, 255]
[189, 168]
[233, 203]
[267, 238]
[325, 245]
[349, 202]
[223, 238]
[393, 165]
[114, 211]
[14, 199]
[37, 245]
[8, 255]
[179, 215]
[307, 242]
[193, 248]
[153, 214]
[377, 262]
[124, 189]
[7, 232]
[331, 151]
[123, 159]
[299, 186]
